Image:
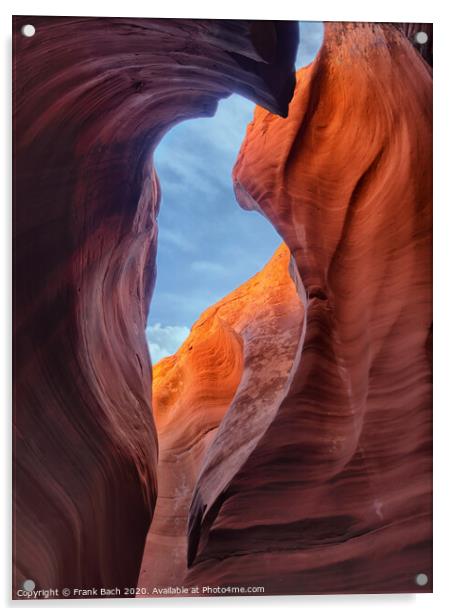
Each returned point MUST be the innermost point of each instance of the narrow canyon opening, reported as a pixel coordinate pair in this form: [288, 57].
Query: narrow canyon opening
[207, 244]
[211, 253]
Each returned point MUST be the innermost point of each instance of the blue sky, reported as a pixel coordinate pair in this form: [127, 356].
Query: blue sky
[207, 245]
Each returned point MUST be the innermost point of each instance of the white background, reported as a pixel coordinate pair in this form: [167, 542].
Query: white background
[340, 10]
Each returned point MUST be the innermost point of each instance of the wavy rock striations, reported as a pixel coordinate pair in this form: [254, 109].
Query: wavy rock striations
[334, 495]
[92, 98]
[236, 359]
[294, 424]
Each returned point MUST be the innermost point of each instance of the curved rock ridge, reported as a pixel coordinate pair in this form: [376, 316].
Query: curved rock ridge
[191, 392]
[231, 372]
[92, 98]
[335, 495]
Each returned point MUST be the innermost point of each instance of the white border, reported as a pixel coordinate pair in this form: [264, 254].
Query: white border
[378, 10]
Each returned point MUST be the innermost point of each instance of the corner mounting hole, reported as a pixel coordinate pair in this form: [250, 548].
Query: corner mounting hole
[421, 579]
[29, 585]
[421, 38]
[28, 30]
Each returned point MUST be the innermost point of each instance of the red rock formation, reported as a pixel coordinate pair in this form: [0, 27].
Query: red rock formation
[318, 477]
[237, 359]
[333, 494]
[92, 98]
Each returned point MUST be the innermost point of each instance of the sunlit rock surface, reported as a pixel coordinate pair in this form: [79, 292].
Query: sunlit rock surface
[92, 98]
[237, 359]
[335, 495]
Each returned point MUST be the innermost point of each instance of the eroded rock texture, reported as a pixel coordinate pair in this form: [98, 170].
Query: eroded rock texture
[295, 434]
[333, 493]
[237, 359]
[92, 98]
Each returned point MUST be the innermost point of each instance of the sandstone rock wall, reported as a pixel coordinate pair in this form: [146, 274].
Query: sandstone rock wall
[92, 98]
[336, 494]
[295, 434]
[232, 370]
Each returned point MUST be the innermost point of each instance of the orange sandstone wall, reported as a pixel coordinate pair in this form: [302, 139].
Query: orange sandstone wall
[335, 495]
[236, 361]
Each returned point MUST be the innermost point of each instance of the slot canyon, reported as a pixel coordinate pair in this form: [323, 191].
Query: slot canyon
[288, 442]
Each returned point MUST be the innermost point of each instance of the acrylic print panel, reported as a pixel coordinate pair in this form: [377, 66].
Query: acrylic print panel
[281, 442]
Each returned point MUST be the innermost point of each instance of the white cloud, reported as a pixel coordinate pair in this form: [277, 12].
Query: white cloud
[164, 340]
